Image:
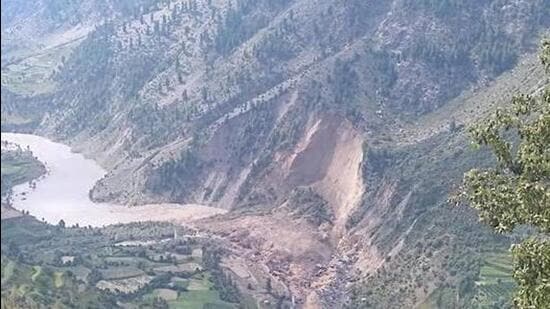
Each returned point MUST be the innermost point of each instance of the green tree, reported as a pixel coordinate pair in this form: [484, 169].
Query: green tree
[268, 286]
[517, 191]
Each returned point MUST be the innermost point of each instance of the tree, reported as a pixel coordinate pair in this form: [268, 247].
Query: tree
[94, 276]
[156, 27]
[160, 303]
[204, 94]
[517, 191]
[268, 286]
[61, 223]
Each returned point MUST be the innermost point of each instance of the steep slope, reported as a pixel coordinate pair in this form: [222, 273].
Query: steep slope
[322, 125]
[168, 85]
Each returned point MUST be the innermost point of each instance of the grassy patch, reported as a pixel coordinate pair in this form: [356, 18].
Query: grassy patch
[43, 287]
[181, 282]
[101, 273]
[37, 271]
[496, 284]
[198, 299]
[200, 293]
[7, 270]
[497, 268]
[32, 74]
[58, 279]
[19, 167]
[166, 294]
[120, 273]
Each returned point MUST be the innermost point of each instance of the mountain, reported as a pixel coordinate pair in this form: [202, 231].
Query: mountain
[333, 131]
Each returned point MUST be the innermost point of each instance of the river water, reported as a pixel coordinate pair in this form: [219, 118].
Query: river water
[63, 192]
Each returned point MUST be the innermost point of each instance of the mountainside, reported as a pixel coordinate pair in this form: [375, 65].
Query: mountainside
[333, 131]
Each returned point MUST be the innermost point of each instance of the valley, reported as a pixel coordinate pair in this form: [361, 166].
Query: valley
[311, 146]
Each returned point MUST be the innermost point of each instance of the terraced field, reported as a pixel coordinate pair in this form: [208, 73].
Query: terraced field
[33, 74]
[496, 284]
[494, 287]
[123, 272]
[200, 294]
[103, 275]
[18, 167]
[26, 286]
[196, 292]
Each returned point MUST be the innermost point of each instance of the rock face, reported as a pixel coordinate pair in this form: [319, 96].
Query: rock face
[327, 120]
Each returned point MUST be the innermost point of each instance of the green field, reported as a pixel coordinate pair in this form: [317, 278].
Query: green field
[102, 273]
[32, 73]
[25, 286]
[19, 167]
[58, 279]
[494, 287]
[8, 268]
[200, 293]
[36, 272]
[496, 283]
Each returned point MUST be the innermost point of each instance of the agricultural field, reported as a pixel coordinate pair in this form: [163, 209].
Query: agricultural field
[25, 286]
[18, 166]
[32, 74]
[168, 272]
[196, 292]
[493, 287]
[496, 284]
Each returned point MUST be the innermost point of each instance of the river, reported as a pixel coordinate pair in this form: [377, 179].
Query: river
[63, 192]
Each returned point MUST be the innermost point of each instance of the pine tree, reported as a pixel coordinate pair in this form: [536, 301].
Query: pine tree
[268, 286]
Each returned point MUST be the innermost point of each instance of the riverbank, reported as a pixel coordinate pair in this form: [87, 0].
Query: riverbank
[64, 193]
[19, 166]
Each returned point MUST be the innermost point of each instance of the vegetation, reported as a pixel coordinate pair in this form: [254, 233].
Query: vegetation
[25, 286]
[235, 28]
[442, 247]
[496, 284]
[517, 191]
[18, 166]
[139, 264]
[176, 177]
[305, 203]
[249, 77]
